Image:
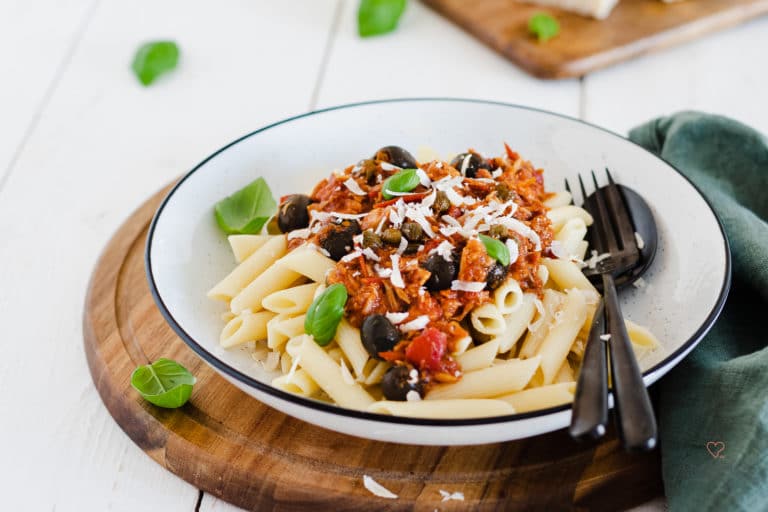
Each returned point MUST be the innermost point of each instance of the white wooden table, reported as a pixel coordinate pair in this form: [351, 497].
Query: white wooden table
[82, 144]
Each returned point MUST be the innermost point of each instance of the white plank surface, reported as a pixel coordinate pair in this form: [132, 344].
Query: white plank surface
[428, 56]
[101, 146]
[34, 51]
[723, 73]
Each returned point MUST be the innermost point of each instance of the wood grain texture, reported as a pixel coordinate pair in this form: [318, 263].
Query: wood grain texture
[232, 446]
[635, 27]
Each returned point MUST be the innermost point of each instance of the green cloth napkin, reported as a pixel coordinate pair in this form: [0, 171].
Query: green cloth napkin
[720, 392]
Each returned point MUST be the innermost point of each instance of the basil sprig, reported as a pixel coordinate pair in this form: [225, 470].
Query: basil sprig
[543, 26]
[246, 211]
[495, 249]
[164, 383]
[324, 314]
[402, 181]
[154, 59]
[376, 17]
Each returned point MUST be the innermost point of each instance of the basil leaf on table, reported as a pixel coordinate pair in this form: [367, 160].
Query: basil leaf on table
[376, 17]
[154, 59]
[164, 383]
[324, 314]
[246, 211]
[543, 26]
[402, 181]
[495, 249]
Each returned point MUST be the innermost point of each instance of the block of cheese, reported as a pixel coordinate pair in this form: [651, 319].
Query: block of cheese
[599, 9]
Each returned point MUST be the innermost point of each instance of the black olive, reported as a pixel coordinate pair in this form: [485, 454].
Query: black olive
[475, 162]
[338, 239]
[396, 155]
[293, 213]
[442, 272]
[397, 383]
[378, 335]
[496, 275]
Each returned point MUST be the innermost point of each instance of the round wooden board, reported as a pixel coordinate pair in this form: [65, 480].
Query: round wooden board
[234, 447]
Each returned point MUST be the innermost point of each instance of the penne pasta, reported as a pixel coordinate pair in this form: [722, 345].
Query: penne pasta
[562, 198]
[479, 357]
[501, 379]
[560, 215]
[291, 301]
[327, 374]
[245, 245]
[445, 409]
[283, 327]
[348, 339]
[516, 324]
[567, 275]
[541, 397]
[245, 327]
[299, 383]
[275, 278]
[308, 263]
[565, 326]
[571, 235]
[249, 269]
[508, 297]
[539, 329]
[487, 319]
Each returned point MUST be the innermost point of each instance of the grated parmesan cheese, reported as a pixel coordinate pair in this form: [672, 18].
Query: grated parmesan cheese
[417, 324]
[595, 259]
[639, 283]
[353, 187]
[639, 240]
[298, 233]
[377, 489]
[389, 167]
[605, 337]
[495, 174]
[396, 278]
[396, 318]
[423, 178]
[368, 253]
[412, 396]
[467, 286]
[318, 249]
[292, 371]
[514, 250]
[351, 256]
[448, 496]
[383, 271]
[445, 249]
[403, 245]
[413, 376]
[465, 164]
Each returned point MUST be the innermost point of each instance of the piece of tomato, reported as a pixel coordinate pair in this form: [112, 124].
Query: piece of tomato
[427, 349]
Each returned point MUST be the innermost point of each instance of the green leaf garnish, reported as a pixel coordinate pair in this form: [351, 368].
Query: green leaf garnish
[324, 314]
[153, 59]
[402, 181]
[495, 249]
[246, 211]
[543, 26]
[376, 17]
[164, 383]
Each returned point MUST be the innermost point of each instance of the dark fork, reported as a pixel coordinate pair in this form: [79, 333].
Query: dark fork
[613, 233]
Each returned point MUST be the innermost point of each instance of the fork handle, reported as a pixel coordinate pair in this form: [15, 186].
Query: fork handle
[636, 420]
[590, 404]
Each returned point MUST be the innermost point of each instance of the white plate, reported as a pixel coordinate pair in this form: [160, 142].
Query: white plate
[187, 253]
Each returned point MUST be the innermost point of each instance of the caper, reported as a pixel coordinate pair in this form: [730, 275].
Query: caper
[396, 155]
[368, 169]
[293, 213]
[503, 192]
[498, 231]
[473, 163]
[378, 335]
[391, 236]
[371, 239]
[442, 272]
[442, 203]
[412, 231]
[412, 248]
[399, 381]
[496, 275]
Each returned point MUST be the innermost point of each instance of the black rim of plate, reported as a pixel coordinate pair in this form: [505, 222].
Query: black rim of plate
[341, 411]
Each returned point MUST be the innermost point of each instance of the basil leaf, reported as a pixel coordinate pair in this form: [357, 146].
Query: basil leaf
[164, 383]
[495, 249]
[153, 59]
[324, 314]
[376, 17]
[543, 26]
[246, 211]
[402, 181]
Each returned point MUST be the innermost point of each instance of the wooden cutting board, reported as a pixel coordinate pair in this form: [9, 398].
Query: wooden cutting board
[234, 447]
[634, 27]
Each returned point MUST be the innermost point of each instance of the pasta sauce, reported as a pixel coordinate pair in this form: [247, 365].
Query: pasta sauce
[416, 256]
